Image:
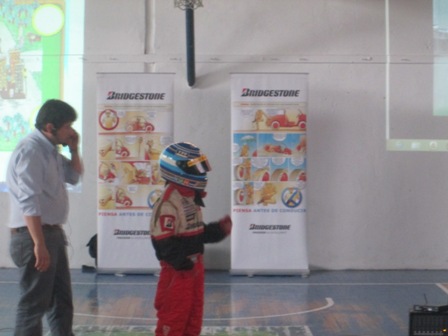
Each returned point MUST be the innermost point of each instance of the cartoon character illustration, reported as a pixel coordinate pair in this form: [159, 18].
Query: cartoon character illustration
[107, 172]
[259, 117]
[268, 193]
[244, 150]
[120, 149]
[243, 144]
[134, 175]
[139, 123]
[245, 195]
[155, 173]
[249, 193]
[106, 200]
[104, 150]
[301, 147]
[148, 148]
[150, 152]
[122, 198]
[108, 119]
[103, 201]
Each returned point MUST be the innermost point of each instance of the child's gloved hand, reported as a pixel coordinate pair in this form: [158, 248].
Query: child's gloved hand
[226, 224]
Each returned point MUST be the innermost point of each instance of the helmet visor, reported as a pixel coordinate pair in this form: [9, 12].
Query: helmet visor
[197, 166]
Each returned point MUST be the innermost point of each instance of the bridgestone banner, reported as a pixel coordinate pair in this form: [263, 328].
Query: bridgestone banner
[135, 123]
[269, 119]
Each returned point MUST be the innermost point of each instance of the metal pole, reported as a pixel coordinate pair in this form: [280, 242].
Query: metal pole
[189, 20]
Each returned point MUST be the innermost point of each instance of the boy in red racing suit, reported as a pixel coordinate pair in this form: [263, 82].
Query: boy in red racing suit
[178, 235]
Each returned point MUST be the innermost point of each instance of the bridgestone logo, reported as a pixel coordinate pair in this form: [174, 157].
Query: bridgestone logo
[269, 93]
[112, 95]
[270, 227]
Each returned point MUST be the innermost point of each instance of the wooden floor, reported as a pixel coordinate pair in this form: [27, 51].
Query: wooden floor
[327, 303]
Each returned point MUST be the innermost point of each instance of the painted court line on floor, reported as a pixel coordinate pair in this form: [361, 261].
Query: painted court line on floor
[329, 303]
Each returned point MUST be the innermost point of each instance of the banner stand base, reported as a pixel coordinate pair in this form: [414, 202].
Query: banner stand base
[254, 272]
[124, 272]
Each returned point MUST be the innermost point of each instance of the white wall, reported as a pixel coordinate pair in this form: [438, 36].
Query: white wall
[367, 208]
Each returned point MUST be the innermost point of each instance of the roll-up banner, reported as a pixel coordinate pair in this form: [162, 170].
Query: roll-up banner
[269, 118]
[135, 123]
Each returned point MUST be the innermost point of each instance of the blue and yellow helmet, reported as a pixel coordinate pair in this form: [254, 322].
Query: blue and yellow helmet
[184, 164]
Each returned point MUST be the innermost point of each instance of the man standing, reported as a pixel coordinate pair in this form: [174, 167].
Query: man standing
[36, 179]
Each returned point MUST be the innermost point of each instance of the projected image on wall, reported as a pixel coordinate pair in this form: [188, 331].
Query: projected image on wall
[417, 99]
[41, 44]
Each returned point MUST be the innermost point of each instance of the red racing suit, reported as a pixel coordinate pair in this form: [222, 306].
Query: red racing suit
[178, 235]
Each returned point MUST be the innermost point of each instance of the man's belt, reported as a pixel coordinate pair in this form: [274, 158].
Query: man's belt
[45, 227]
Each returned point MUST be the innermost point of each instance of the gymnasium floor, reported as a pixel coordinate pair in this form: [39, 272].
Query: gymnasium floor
[326, 303]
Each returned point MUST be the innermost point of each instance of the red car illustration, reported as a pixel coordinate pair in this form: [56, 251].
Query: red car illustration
[142, 179]
[281, 120]
[279, 149]
[139, 124]
[121, 150]
[302, 121]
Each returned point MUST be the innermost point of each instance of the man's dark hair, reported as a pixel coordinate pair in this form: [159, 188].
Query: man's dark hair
[56, 112]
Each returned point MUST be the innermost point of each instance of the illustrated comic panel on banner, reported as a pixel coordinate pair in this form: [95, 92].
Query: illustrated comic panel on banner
[269, 122]
[135, 123]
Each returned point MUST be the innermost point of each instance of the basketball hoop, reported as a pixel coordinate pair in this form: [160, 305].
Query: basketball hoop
[188, 4]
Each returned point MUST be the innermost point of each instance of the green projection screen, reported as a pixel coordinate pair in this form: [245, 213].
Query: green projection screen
[41, 48]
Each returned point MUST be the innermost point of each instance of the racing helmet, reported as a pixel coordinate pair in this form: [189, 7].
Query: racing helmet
[184, 164]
